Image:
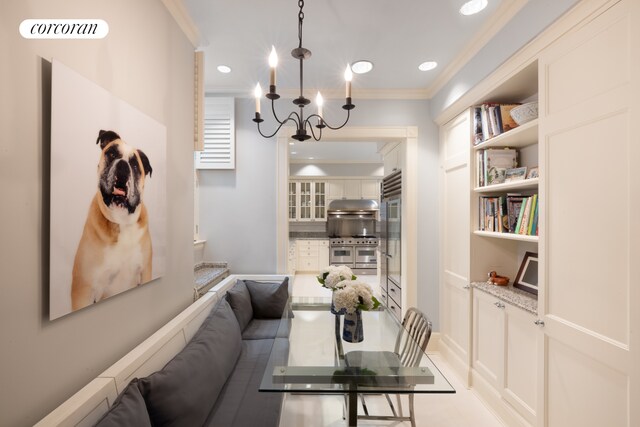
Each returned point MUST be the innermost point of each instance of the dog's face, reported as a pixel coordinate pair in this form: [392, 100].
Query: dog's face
[121, 174]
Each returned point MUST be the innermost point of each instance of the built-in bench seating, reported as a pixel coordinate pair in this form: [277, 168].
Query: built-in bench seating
[218, 347]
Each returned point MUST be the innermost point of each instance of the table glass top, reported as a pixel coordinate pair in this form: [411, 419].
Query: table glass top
[309, 355]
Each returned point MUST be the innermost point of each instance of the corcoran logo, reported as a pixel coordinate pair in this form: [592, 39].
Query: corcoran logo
[64, 29]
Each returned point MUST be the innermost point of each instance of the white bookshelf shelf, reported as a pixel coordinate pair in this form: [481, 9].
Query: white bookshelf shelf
[522, 136]
[525, 184]
[507, 236]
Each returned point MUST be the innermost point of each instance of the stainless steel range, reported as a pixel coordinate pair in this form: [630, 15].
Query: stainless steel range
[357, 252]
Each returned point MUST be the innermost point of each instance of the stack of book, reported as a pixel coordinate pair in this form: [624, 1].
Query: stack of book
[493, 163]
[513, 213]
[490, 120]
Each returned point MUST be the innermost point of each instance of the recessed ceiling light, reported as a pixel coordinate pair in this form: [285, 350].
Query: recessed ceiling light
[310, 158]
[224, 69]
[361, 67]
[293, 152]
[473, 6]
[291, 143]
[426, 66]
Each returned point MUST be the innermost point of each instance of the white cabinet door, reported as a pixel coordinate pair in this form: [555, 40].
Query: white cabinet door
[521, 362]
[390, 161]
[323, 254]
[319, 201]
[370, 189]
[488, 338]
[335, 189]
[352, 189]
[455, 300]
[589, 112]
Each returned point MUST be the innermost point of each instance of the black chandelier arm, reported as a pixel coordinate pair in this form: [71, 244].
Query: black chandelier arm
[324, 123]
[280, 126]
[313, 134]
[273, 110]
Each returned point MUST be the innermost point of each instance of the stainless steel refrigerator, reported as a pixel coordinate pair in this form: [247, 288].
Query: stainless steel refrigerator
[391, 241]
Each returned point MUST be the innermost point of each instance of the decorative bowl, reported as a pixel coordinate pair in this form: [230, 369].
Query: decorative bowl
[525, 113]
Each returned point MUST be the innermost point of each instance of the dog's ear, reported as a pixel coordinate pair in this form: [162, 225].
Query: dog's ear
[145, 163]
[105, 137]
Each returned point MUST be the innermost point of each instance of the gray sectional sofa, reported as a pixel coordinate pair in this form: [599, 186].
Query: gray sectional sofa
[214, 380]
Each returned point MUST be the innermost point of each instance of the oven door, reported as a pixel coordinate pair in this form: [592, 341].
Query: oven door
[366, 257]
[341, 255]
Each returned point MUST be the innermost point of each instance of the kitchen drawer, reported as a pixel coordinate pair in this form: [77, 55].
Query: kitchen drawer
[306, 263]
[309, 252]
[396, 309]
[323, 243]
[394, 292]
[307, 242]
[384, 298]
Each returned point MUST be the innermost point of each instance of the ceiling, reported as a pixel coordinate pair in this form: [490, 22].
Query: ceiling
[395, 35]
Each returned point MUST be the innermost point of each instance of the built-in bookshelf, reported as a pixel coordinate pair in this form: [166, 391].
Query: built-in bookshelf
[497, 245]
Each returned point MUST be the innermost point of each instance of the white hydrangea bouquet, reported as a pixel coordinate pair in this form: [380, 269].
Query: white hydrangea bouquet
[354, 295]
[349, 294]
[334, 274]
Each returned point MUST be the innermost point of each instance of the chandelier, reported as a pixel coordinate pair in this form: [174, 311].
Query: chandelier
[298, 119]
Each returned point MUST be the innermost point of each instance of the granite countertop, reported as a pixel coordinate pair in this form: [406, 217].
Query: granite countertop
[511, 295]
[309, 235]
[206, 273]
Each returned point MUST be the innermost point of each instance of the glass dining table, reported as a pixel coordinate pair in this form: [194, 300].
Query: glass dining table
[310, 356]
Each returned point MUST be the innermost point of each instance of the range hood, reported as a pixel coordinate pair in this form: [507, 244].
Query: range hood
[352, 205]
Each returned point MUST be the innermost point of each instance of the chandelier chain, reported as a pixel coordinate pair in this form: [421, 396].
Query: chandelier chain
[300, 19]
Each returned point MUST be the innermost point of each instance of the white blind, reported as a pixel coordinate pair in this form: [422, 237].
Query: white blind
[219, 135]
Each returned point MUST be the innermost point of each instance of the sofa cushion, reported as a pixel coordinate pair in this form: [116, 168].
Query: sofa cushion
[184, 391]
[240, 300]
[128, 409]
[259, 329]
[241, 403]
[268, 299]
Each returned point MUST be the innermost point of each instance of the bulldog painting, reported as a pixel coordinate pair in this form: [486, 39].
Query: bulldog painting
[115, 251]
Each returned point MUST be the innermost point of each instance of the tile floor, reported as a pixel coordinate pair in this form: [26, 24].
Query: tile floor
[462, 409]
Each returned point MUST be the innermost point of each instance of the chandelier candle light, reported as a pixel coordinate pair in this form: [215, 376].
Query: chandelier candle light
[299, 53]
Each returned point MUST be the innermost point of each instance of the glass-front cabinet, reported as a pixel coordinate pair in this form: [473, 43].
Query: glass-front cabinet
[307, 201]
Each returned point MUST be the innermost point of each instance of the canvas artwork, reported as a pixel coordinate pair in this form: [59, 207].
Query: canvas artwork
[108, 187]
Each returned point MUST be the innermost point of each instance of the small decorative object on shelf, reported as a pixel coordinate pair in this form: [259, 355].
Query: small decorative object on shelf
[498, 280]
[533, 173]
[525, 113]
[515, 174]
[527, 278]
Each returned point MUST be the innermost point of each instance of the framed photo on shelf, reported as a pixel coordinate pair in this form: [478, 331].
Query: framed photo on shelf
[533, 173]
[515, 174]
[527, 277]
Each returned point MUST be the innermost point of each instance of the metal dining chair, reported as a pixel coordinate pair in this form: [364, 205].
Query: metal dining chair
[411, 343]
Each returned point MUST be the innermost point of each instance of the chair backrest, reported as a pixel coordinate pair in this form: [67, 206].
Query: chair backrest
[413, 337]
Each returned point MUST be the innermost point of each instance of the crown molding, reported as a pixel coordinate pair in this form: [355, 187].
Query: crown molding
[506, 11]
[179, 12]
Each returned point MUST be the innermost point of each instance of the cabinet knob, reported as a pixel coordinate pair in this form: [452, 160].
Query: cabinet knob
[498, 304]
[539, 322]
[466, 287]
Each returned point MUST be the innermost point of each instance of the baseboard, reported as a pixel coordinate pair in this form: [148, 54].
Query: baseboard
[495, 403]
[434, 343]
[460, 367]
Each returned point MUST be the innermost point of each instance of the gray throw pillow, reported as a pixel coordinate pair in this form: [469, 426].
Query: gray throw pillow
[268, 299]
[240, 300]
[185, 390]
[129, 409]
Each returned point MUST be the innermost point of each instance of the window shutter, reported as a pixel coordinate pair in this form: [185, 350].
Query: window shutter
[219, 135]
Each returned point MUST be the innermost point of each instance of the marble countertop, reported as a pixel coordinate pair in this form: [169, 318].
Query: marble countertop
[511, 295]
[206, 273]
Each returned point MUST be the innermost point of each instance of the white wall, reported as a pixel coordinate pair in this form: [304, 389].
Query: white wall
[146, 61]
[238, 206]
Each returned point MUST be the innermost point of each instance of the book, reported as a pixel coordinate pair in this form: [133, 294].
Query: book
[477, 126]
[492, 119]
[505, 117]
[523, 204]
[514, 201]
[524, 223]
[534, 204]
